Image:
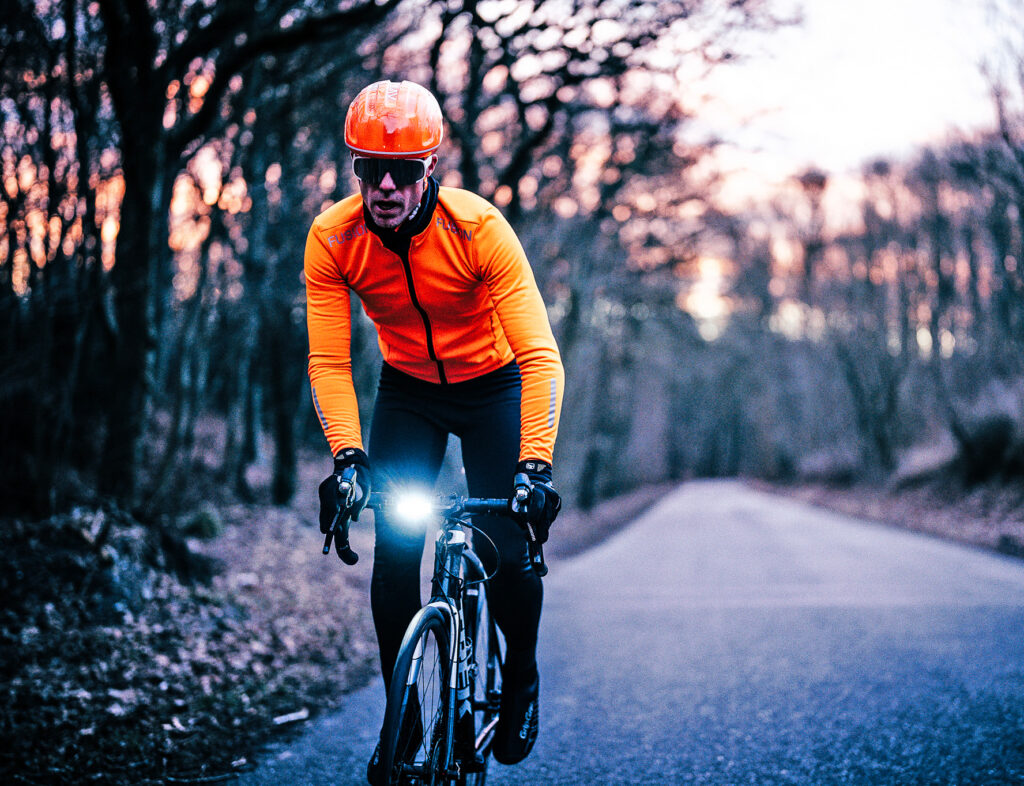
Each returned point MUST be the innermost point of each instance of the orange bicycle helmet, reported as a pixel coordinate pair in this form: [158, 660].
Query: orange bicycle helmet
[393, 120]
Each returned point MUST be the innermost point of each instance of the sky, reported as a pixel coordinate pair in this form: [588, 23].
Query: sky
[860, 79]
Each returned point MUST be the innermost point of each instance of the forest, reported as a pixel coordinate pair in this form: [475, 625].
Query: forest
[161, 167]
[162, 163]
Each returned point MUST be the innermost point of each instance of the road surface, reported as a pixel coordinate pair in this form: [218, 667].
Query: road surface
[733, 637]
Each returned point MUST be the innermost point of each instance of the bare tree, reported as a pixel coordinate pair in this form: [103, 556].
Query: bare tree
[173, 74]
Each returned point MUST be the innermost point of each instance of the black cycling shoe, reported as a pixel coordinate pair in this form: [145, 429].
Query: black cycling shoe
[518, 721]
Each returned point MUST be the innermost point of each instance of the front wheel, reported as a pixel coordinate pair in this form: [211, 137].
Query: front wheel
[416, 739]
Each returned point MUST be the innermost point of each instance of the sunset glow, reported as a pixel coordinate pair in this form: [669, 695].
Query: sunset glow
[856, 81]
[704, 300]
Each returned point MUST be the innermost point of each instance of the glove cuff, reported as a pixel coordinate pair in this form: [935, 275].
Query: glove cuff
[536, 469]
[349, 456]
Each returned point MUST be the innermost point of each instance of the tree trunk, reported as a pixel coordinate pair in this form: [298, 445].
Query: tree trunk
[282, 404]
[130, 277]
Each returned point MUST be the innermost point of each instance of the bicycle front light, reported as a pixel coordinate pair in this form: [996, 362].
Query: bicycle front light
[413, 508]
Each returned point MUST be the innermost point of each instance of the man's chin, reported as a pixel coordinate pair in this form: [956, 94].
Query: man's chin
[388, 219]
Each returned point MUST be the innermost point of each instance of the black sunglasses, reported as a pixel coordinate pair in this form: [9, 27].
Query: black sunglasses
[403, 171]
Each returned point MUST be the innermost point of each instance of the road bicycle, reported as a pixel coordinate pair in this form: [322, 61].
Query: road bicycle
[445, 694]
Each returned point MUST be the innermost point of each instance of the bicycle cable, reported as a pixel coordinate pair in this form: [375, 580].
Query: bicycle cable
[494, 547]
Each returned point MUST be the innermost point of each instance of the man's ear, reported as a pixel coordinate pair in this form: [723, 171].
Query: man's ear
[431, 165]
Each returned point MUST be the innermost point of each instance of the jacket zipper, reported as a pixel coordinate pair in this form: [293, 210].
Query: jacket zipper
[431, 352]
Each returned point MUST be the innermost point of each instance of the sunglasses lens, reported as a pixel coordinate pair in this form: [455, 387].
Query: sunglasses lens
[403, 171]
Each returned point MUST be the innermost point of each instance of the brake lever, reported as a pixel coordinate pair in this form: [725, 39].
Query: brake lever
[521, 497]
[346, 494]
[537, 559]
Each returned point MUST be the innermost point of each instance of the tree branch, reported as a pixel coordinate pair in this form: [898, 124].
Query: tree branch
[279, 41]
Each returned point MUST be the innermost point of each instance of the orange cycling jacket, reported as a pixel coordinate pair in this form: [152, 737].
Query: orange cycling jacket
[462, 304]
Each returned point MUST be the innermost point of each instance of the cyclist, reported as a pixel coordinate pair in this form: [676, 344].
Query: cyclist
[467, 350]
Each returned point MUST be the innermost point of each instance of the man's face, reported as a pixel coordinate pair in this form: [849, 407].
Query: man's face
[389, 204]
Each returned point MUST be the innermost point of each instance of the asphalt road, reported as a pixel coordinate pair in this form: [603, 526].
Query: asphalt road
[733, 637]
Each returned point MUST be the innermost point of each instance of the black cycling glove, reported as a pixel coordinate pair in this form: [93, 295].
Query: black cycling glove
[330, 501]
[538, 513]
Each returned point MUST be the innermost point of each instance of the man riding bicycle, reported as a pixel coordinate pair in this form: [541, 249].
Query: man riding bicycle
[467, 350]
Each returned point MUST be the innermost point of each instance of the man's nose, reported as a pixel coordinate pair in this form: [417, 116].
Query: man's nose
[388, 182]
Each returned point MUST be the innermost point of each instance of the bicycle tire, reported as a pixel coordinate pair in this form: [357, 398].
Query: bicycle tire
[416, 739]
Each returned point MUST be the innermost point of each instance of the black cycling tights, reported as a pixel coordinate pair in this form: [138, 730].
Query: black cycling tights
[408, 438]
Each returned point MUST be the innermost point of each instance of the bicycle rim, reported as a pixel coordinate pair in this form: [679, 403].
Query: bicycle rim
[416, 739]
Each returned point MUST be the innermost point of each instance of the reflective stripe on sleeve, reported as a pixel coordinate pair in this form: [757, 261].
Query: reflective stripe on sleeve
[319, 412]
[552, 403]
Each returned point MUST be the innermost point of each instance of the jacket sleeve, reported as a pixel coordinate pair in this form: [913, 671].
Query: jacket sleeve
[524, 320]
[329, 322]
